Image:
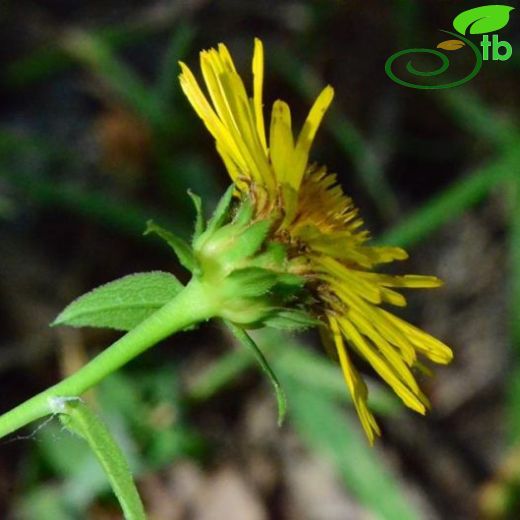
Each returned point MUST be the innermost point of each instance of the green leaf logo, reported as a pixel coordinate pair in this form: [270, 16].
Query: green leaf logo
[485, 19]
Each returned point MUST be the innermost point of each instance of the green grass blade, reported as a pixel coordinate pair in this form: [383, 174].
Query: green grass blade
[221, 373]
[475, 116]
[178, 47]
[514, 258]
[451, 202]
[51, 58]
[94, 52]
[97, 206]
[324, 428]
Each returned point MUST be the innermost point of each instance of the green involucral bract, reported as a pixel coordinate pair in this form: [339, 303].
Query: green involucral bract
[242, 268]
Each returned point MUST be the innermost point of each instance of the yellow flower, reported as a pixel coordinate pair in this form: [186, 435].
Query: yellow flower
[320, 227]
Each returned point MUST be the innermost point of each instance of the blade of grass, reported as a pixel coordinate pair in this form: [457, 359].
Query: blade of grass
[96, 206]
[475, 116]
[324, 429]
[451, 202]
[178, 46]
[514, 310]
[93, 52]
[51, 58]
[108, 210]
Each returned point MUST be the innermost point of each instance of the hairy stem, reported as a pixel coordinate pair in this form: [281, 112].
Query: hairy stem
[189, 307]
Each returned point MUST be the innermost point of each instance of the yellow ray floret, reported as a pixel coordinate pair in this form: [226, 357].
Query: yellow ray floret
[320, 227]
[236, 121]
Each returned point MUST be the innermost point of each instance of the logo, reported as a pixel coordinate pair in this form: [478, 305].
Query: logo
[479, 20]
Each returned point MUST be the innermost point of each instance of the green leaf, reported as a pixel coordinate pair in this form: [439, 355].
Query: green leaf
[77, 417]
[123, 303]
[484, 19]
[199, 218]
[246, 340]
[180, 247]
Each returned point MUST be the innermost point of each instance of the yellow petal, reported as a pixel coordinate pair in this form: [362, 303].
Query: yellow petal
[381, 366]
[307, 134]
[281, 141]
[258, 83]
[388, 351]
[355, 384]
[427, 345]
[204, 110]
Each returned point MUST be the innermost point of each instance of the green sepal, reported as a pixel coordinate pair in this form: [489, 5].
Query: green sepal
[287, 286]
[244, 213]
[250, 282]
[123, 303]
[291, 319]
[246, 340]
[247, 243]
[199, 217]
[273, 257]
[180, 247]
[221, 212]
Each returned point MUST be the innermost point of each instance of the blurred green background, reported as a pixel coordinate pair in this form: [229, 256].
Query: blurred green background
[96, 138]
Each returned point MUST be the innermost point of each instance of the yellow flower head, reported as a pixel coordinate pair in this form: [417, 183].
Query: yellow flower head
[320, 227]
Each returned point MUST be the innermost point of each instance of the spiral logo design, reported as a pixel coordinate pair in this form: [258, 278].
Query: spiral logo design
[443, 66]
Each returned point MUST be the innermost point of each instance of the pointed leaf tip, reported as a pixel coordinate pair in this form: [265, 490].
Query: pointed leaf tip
[199, 216]
[180, 247]
[245, 339]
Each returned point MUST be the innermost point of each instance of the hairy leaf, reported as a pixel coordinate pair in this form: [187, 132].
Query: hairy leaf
[123, 303]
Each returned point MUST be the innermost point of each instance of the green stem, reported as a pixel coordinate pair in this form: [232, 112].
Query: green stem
[189, 307]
